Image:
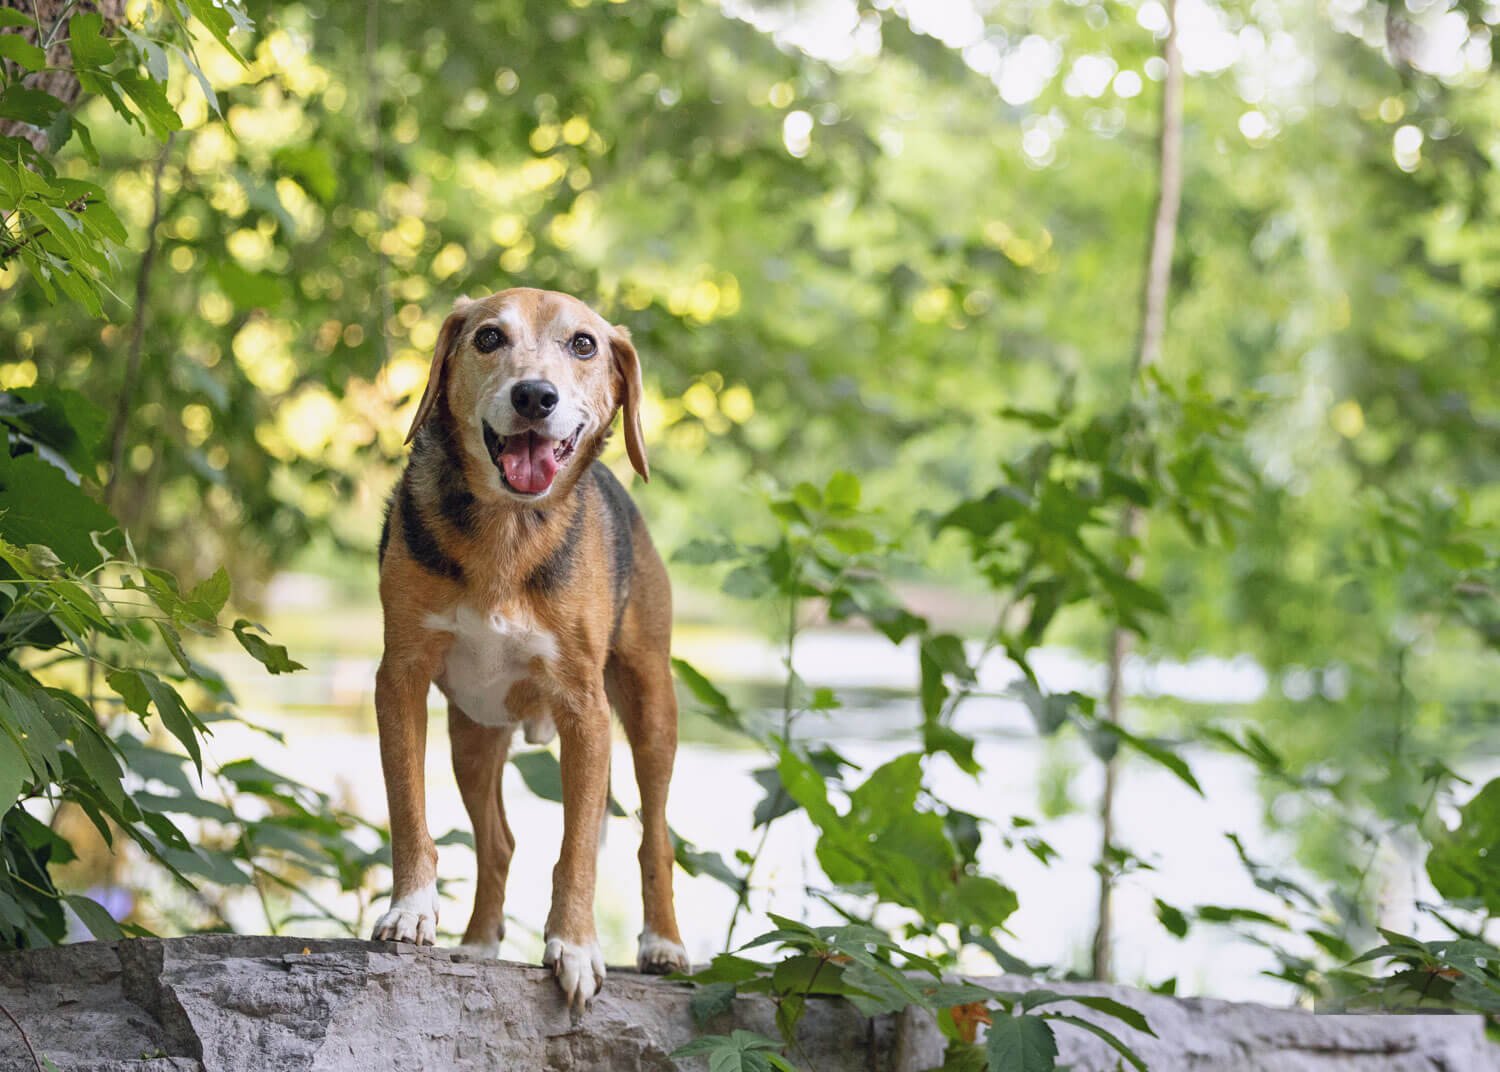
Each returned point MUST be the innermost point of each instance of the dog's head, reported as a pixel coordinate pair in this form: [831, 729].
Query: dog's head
[532, 379]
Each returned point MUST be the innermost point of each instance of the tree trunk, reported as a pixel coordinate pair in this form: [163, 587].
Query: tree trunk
[1153, 326]
[126, 400]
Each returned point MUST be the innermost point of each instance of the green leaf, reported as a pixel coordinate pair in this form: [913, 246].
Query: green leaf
[173, 641]
[1049, 711]
[14, 773]
[11, 17]
[728, 968]
[91, 154]
[543, 776]
[1153, 750]
[86, 41]
[1109, 1037]
[313, 167]
[851, 539]
[541, 773]
[982, 517]
[1222, 914]
[191, 62]
[739, 1051]
[697, 863]
[132, 689]
[980, 901]
[67, 421]
[1036, 418]
[1332, 943]
[842, 490]
[713, 703]
[16, 48]
[706, 553]
[961, 1056]
[750, 581]
[39, 504]
[154, 56]
[247, 289]
[175, 716]
[776, 802]
[1120, 485]
[937, 738]
[218, 21]
[789, 1012]
[100, 763]
[30, 727]
[1021, 1044]
[710, 1000]
[99, 922]
[1131, 1018]
[29, 105]
[1464, 862]
[272, 656]
[1172, 919]
[208, 597]
[807, 787]
[196, 806]
[150, 97]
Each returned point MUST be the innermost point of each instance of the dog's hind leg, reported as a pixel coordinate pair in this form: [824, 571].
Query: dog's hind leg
[479, 754]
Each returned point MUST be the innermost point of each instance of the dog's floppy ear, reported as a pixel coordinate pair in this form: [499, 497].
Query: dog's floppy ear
[447, 342]
[627, 366]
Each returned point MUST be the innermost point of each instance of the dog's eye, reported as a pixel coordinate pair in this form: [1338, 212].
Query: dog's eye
[583, 345]
[488, 339]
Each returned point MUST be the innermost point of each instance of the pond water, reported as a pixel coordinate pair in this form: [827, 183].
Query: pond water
[326, 713]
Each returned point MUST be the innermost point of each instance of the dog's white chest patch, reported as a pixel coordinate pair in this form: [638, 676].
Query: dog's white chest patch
[489, 654]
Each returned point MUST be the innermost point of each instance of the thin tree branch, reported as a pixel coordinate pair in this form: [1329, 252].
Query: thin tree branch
[12, 248]
[137, 335]
[383, 308]
[1154, 293]
[22, 1032]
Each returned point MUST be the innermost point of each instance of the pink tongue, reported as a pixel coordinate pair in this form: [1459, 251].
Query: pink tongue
[529, 463]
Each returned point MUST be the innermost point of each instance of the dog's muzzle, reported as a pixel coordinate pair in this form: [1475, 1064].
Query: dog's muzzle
[528, 461]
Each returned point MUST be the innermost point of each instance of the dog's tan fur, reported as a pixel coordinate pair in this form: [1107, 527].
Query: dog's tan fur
[456, 537]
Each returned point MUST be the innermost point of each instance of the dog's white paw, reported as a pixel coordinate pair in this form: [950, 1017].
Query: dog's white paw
[412, 917]
[540, 730]
[659, 956]
[579, 970]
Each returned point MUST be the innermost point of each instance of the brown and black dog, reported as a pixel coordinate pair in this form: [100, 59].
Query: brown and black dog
[517, 575]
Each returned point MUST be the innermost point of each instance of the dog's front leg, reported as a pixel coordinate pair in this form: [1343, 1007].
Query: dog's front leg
[401, 716]
[573, 951]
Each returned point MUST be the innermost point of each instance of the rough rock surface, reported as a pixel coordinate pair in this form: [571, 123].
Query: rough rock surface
[222, 1003]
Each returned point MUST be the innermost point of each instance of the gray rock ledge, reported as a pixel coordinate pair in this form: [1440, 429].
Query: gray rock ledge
[221, 1003]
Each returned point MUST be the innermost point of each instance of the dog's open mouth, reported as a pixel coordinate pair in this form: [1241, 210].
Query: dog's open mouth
[528, 461]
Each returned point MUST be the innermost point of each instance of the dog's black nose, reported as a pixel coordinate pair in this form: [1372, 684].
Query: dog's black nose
[534, 399]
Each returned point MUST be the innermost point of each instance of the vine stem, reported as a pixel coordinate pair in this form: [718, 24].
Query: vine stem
[22, 1032]
[1154, 292]
[788, 716]
[743, 901]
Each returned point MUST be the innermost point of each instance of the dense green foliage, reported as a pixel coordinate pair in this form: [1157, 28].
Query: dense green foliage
[79, 609]
[910, 250]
